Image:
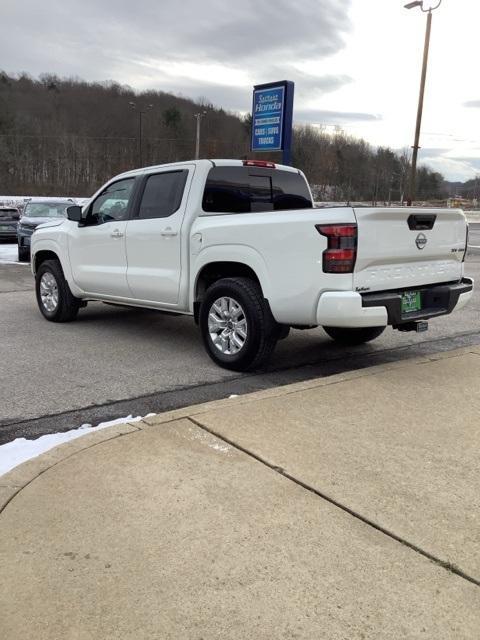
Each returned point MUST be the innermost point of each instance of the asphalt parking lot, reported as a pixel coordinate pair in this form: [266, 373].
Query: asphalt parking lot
[114, 361]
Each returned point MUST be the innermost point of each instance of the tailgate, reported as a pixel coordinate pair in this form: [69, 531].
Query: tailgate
[408, 247]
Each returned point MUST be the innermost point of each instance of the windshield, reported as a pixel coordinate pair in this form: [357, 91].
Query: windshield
[9, 214]
[46, 209]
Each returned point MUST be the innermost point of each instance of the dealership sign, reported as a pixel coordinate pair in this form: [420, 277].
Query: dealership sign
[272, 117]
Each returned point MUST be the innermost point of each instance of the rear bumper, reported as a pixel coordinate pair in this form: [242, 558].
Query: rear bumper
[437, 300]
[344, 309]
[351, 309]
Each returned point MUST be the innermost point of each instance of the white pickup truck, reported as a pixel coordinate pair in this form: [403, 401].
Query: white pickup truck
[239, 246]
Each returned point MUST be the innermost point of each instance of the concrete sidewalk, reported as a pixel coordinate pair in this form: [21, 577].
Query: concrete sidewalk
[346, 507]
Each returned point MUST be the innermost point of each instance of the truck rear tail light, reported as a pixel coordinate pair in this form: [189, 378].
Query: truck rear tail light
[341, 252]
[259, 163]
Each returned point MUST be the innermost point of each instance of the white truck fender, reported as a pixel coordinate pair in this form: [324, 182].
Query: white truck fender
[48, 244]
[230, 253]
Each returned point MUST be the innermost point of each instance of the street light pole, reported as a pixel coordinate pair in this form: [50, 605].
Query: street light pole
[198, 117]
[426, 47]
[140, 112]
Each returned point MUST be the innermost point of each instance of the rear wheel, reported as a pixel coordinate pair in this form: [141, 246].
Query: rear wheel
[54, 298]
[352, 336]
[237, 327]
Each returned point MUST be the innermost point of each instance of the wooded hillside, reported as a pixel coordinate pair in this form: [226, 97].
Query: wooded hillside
[69, 136]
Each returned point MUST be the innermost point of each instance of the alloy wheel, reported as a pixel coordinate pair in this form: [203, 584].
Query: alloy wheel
[49, 291]
[227, 325]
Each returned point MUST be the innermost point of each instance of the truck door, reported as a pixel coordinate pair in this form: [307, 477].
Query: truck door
[97, 249]
[153, 236]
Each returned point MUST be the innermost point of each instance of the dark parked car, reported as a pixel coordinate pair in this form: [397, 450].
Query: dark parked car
[36, 212]
[9, 217]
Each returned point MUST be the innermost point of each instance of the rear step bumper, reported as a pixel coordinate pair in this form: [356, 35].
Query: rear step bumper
[437, 300]
[351, 309]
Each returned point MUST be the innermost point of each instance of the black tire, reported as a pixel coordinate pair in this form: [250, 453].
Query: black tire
[23, 254]
[354, 336]
[67, 305]
[282, 331]
[261, 333]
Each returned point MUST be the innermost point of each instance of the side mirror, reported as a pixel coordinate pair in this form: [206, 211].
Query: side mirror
[74, 213]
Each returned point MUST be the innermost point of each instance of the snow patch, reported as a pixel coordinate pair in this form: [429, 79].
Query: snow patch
[20, 450]
[210, 440]
[9, 254]
[219, 446]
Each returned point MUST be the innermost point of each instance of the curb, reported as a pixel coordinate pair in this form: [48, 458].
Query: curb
[195, 410]
[20, 477]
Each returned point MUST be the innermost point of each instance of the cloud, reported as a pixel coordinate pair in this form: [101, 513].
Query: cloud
[434, 152]
[215, 49]
[238, 97]
[253, 28]
[307, 84]
[229, 98]
[456, 170]
[105, 38]
[319, 116]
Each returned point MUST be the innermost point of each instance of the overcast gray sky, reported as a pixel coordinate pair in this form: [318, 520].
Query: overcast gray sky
[356, 63]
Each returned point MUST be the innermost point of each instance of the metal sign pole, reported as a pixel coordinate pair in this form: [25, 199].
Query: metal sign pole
[288, 123]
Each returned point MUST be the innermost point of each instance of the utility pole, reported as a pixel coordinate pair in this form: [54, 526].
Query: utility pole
[140, 112]
[416, 144]
[198, 117]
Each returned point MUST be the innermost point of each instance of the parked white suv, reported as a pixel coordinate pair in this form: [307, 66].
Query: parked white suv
[239, 246]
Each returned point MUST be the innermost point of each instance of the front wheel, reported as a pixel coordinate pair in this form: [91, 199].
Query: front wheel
[352, 336]
[54, 298]
[238, 330]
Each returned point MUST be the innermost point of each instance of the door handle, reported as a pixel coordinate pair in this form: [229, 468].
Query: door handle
[168, 232]
[116, 234]
[421, 222]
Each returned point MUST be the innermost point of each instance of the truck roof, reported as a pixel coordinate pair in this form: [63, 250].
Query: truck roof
[218, 162]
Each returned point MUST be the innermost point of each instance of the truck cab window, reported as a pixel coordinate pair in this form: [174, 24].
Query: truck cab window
[112, 204]
[162, 195]
[249, 190]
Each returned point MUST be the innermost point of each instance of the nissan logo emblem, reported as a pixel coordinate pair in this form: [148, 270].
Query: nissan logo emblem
[421, 241]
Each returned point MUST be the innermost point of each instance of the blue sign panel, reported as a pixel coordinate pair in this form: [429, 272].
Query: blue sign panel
[268, 118]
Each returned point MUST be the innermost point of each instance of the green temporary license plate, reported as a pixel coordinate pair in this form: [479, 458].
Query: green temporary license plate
[411, 301]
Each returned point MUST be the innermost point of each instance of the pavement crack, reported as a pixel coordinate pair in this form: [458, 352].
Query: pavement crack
[444, 564]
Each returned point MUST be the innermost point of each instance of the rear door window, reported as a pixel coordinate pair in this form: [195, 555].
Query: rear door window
[162, 195]
[251, 189]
